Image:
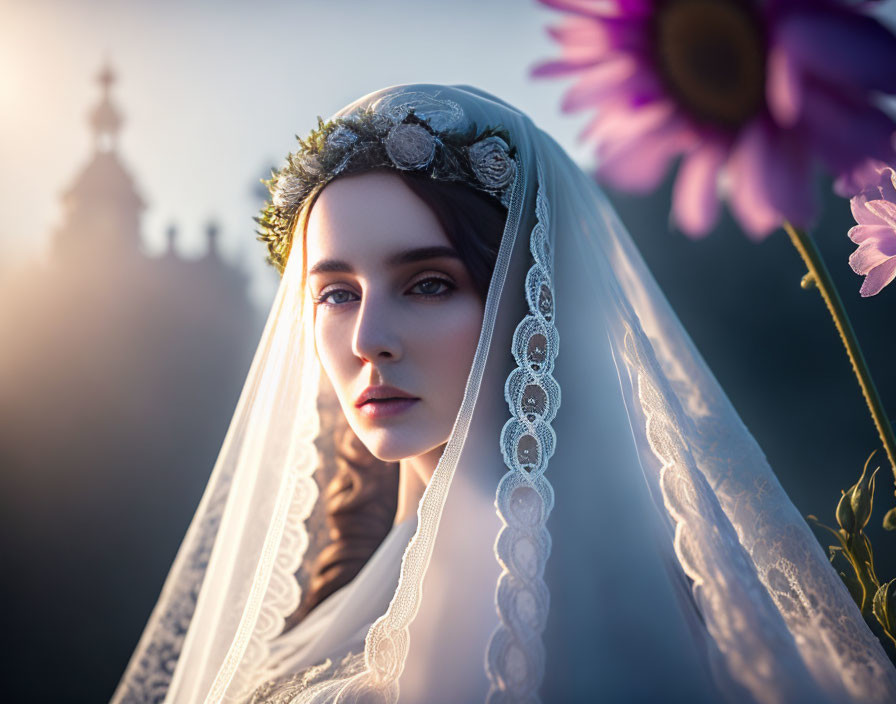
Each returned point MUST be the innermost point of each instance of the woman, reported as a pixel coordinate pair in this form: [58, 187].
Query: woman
[631, 544]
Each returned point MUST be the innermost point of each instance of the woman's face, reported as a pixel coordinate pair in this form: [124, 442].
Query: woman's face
[394, 307]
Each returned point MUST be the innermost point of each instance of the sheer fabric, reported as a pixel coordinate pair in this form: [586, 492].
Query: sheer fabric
[600, 523]
[339, 624]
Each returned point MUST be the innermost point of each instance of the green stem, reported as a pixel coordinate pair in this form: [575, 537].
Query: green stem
[820, 277]
[889, 635]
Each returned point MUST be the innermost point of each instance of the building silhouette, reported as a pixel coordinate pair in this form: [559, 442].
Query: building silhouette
[119, 373]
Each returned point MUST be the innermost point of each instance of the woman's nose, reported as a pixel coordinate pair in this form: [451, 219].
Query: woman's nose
[375, 337]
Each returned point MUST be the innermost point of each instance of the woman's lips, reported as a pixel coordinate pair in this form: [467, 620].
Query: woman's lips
[384, 408]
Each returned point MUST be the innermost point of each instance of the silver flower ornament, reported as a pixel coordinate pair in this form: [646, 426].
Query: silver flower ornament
[491, 162]
[410, 146]
[341, 138]
[311, 165]
[287, 191]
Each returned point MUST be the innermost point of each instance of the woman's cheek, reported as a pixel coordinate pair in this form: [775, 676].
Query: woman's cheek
[451, 338]
[333, 348]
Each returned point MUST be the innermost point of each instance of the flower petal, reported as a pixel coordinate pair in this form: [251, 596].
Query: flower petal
[867, 175]
[783, 88]
[749, 170]
[790, 184]
[878, 277]
[770, 179]
[598, 81]
[638, 165]
[861, 214]
[884, 210]
[844, 131]
[868, 256]
[873, 233]
[592, 8]
[841, 46]
[887, 187]
[601, 8]
[563, 67]
[640, 8]
[580, 36]
[617, 123]
[695, 200]
[625, 81]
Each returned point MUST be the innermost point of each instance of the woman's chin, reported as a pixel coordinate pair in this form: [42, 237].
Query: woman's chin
[389, 446]
[386, 448]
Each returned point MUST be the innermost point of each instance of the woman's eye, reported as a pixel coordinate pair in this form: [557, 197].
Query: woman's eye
[336, 296]
[433, 287]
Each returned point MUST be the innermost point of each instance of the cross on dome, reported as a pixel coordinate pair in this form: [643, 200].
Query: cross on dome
[105, 118]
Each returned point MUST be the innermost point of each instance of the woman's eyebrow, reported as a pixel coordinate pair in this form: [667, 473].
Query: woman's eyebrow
[406, 257]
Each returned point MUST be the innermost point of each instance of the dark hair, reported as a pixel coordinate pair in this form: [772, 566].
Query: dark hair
[362, 497]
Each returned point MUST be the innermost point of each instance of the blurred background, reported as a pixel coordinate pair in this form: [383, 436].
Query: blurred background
[132, 293]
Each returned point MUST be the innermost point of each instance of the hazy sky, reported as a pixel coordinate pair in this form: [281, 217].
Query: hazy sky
[214, 92]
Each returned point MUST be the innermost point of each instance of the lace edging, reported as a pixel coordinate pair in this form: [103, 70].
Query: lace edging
[515, 657]
[275, 591]
[739, 613]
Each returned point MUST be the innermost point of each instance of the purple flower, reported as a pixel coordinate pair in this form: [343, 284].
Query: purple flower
[750, 94]
[874, 209]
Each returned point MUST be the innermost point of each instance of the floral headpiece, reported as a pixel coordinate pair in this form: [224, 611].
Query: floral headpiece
[370, 139]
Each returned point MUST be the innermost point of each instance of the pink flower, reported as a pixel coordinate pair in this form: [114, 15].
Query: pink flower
[875, 212]
[750, 95]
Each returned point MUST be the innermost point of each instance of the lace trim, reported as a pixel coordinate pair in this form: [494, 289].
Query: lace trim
[275, 591]
[739, 613]
[839, 650]
[515, 657]
[147, 680]
[312, 684]
[841, 653]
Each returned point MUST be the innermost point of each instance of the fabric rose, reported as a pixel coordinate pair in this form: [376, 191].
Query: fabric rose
[875, 212]
[311, 165]
[287, 190]
[491, 162]
[410, 146]
[341, 138]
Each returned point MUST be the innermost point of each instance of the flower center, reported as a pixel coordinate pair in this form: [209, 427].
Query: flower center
[711, 55]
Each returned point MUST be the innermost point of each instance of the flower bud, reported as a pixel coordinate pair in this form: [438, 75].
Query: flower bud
[884, 606]
[862, 497]
[854, 509]
[890, 519]
[845, 517]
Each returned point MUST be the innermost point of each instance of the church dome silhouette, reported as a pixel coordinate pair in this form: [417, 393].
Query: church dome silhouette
[118, 376]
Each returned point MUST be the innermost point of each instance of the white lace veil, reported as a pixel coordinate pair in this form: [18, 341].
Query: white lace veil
[631, 543]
